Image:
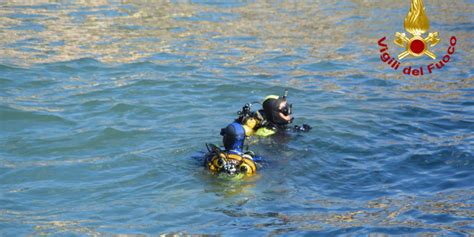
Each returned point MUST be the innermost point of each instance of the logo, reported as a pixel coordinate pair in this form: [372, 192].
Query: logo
[416, 23]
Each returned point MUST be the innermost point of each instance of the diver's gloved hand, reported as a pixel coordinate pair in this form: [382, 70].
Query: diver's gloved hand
[302, 128]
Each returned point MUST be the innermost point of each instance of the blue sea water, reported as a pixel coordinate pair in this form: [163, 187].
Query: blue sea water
[105, 104]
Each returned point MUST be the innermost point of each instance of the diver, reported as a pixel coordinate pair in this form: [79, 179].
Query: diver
[275, 116]
[232, 160]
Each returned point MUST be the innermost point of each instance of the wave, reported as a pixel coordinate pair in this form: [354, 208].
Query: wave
[9, 114]
[4, 67]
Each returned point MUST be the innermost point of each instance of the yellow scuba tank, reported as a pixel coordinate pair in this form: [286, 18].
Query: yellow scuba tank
[249, 124]
[243, 164]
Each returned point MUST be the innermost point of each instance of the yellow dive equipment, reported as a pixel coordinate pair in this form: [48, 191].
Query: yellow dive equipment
[270, 97]
[231, 163]
[264, 132]
[249, 125]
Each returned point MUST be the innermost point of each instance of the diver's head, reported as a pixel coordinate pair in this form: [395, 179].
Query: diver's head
[233, 137]
[277, 110]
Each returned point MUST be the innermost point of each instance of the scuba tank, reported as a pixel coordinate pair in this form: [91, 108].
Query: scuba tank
[232, 163]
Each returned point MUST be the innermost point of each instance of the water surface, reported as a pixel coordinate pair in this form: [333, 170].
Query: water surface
[103, 104]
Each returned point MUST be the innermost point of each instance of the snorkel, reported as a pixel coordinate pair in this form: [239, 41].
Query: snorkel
[285, 108]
